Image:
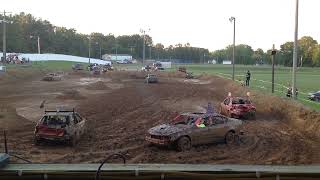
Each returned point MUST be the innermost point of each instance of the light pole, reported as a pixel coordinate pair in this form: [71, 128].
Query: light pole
[233, 19]
[97, 43]
[144, 44]
[38, 41]
[295, 52]
[4, 34]
[89, 53]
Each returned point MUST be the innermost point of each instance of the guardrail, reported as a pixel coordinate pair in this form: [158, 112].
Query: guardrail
[158, 171]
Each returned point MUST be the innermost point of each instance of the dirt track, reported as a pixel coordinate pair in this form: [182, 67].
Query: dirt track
[120, 108]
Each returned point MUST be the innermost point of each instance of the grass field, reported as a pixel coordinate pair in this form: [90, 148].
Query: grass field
[307, 78]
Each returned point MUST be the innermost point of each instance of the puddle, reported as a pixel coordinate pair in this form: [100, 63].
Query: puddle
[196, 81]
[86, 81]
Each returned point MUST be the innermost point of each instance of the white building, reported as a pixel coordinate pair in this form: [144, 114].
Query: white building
[228, 62]
[117, 57]
[212, 61]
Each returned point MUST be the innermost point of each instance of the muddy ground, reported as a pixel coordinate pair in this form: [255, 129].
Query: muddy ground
[120, 108]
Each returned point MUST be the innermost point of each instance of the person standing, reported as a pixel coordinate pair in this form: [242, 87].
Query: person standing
[248, 75]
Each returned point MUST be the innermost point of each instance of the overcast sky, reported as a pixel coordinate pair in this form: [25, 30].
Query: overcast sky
[202, 23]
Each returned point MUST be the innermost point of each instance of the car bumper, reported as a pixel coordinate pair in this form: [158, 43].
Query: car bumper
[239, 114]
[52, 138]
[158, 141]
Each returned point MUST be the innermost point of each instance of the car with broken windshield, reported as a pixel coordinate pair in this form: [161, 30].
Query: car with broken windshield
[189, 129]
[60, 126]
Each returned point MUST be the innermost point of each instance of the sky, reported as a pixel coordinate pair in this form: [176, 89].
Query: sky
[202, 23]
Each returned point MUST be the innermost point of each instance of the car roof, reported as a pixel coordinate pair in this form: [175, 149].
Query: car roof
[58, 113]
[200, 114]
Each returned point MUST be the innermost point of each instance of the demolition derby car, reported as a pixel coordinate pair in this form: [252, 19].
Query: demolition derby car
[151, 78]
[190, 129]
[238, 107]
[52, 77]
[60, 125]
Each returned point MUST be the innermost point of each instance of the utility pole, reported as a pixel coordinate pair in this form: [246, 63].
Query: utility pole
[233, 19]
[116, 50]
[100, 52]
[4, 35]
[38, 45]
[273, 54]
[144, 44]
[89, 48]
[295, 52]
[150, 52]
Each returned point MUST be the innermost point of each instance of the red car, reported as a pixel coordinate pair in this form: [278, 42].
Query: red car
[238, 107]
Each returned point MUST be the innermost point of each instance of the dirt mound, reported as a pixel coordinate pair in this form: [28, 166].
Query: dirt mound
[100, 85]
[173, 74]
[11, 121]
[70, 94]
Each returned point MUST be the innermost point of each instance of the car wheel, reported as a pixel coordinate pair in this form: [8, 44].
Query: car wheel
[36, 141]
[253, 116]
[183, 144]
[230, 138]
[73, 141]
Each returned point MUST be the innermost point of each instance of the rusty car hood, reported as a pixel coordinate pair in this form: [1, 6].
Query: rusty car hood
[167, 129]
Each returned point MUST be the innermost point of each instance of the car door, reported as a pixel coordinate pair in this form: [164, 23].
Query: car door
[224, 106]
[217, 129]
[80, 124]
[199, 135]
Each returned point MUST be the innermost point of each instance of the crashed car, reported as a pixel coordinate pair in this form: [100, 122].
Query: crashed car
[107, 67]
[96, 70]
[151, 78]
[314, 96]
[182, 69]
[146, 68]
[52, 77]
[191, 129]
[238, 107]
[77, 67]
[60, 125]
[189, 75]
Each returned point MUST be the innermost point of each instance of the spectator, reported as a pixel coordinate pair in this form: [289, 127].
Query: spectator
[248, 75]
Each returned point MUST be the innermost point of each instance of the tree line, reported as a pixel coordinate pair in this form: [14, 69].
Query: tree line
[308, 54]
[24, 30]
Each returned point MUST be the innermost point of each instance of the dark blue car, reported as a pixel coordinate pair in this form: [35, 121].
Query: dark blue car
[314, 96]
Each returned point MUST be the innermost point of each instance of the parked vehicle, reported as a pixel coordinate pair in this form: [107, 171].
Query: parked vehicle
[151, 78]
[314, 96]
[238, 107]
[191, 129]
[60, 125]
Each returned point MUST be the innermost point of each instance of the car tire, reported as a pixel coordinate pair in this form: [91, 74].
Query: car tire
[36, 141]
[73, 141]
[183, 144]
[230, 138]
